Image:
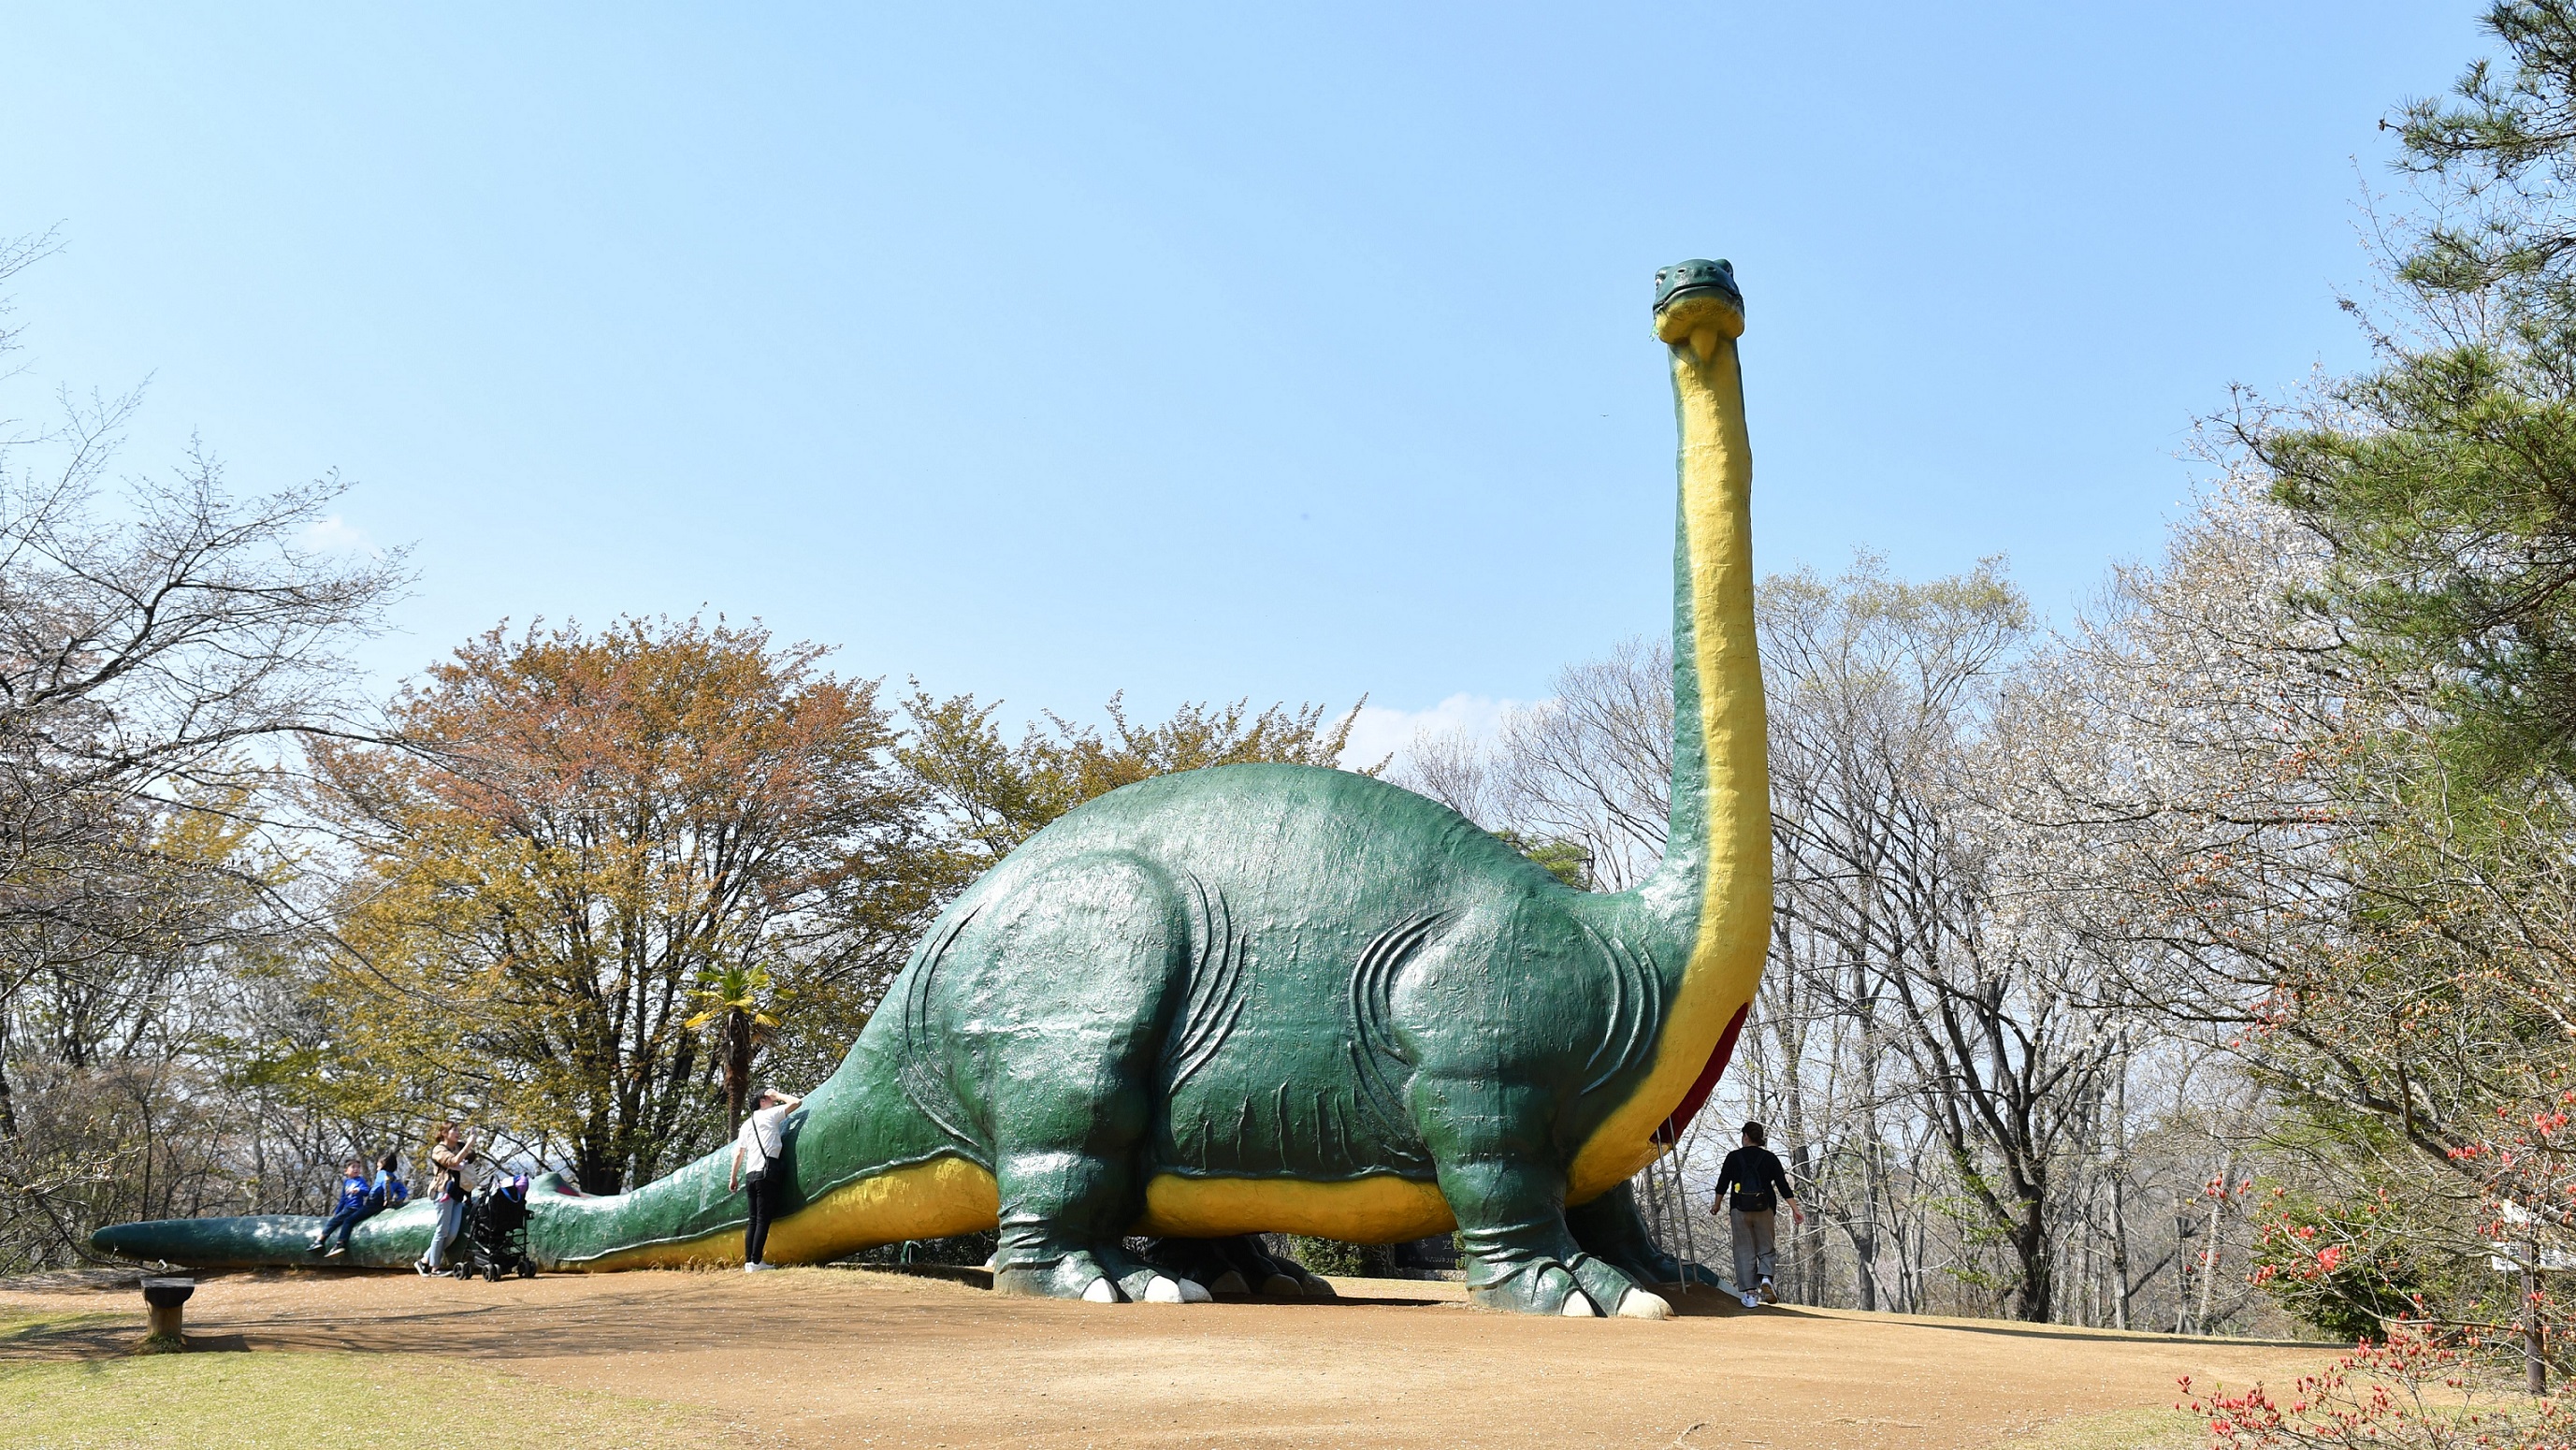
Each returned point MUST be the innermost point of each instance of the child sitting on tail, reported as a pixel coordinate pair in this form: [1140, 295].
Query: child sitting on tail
[351, 1208]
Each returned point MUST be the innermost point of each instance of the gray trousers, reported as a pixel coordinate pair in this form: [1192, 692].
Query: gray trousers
[451, 1217]
[1754, 1256]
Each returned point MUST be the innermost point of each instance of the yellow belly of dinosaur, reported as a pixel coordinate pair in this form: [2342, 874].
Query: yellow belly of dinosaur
[1378, 1209]
[930, 1200]
[949, 1196]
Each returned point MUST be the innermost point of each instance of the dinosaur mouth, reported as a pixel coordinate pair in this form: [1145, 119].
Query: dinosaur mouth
[1698, 296]
[1694, 278]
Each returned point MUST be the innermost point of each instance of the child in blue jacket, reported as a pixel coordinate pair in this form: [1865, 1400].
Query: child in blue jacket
[388, 1191]
[349, 1210]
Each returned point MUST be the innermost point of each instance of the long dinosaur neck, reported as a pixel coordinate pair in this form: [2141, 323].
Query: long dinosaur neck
[1717, 860]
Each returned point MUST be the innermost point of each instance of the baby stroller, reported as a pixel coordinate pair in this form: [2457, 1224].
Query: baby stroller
[495, 1232]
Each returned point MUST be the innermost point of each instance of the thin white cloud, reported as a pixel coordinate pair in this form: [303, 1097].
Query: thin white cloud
[1381, 732]
[336, 535]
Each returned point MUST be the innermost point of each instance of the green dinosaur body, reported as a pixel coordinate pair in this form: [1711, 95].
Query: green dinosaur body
[1274, 998]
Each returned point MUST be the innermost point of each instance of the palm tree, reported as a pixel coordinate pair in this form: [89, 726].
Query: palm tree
[734, 995]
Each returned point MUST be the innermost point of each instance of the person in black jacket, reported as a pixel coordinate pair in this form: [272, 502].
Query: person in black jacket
[1751, 1186]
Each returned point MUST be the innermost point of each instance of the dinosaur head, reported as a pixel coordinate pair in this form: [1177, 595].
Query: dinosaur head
[1698, 302]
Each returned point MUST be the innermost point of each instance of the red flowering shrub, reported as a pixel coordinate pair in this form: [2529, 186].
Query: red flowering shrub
[2346, 1266]
[2419, 1389]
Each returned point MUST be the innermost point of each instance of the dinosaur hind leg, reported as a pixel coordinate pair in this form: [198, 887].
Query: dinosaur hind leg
[1079, 964]
[1490, 1143]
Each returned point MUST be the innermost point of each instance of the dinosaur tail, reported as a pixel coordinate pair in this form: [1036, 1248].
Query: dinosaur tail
[388, 1240]
[866, 1167]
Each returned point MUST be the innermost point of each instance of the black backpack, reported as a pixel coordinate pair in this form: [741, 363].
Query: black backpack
[1754, 1196]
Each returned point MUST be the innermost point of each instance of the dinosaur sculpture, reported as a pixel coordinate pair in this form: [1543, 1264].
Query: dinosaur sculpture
[1274, 998]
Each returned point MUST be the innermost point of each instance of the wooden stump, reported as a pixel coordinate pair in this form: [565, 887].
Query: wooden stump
[162, 1299]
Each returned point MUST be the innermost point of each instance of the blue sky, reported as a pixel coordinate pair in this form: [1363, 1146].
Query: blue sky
[1199, 354]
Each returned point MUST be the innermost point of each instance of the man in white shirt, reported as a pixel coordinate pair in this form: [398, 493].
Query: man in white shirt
[757, 1153]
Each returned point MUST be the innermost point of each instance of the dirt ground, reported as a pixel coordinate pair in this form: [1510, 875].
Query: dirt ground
[838, 1357]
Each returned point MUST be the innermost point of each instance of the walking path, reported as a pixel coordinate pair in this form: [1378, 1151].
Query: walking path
[830, 1357]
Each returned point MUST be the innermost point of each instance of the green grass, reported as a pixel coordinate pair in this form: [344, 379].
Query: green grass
[2141, 1429]
[304, 1400]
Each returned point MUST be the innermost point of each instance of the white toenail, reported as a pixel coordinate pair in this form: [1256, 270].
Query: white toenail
[1193, 1293]
[1101, 1292]
[1639, 1304]
[1578, 1307]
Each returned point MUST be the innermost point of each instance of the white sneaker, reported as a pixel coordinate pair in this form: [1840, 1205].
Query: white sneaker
[753, 1268]
[1752, 1301]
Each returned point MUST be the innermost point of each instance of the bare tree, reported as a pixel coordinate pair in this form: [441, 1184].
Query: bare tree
[1904, 941]
[1590, 767]
[160, 640]
[1593, 764]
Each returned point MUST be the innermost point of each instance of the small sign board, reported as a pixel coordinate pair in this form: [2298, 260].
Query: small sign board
[2508, 1259]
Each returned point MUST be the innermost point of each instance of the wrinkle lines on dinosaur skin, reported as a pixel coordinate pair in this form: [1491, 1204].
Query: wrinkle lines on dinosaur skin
[1379, 1061]
[1635, 1020]
[1214, 998]
[918, 1072]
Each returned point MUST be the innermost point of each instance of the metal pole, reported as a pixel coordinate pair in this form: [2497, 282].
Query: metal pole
[2535, 1360]
[1681, 1195]
[1655, 1172]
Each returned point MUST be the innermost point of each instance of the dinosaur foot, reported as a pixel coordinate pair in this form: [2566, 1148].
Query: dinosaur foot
[1235, 1266]
[1576, 1287]
[1645, 1304]
[1103, 1276]
[1610, 1229]
[1293, 1282]
[1232, 1285]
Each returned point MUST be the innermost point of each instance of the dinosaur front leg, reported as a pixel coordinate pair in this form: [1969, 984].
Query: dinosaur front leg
[1610, 1229]
[1062, 1213]
[1066, 1167]
[1489, 1145]
[1060, 1025]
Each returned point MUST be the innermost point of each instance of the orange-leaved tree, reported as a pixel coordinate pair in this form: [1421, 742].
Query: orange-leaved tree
[568, 836]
